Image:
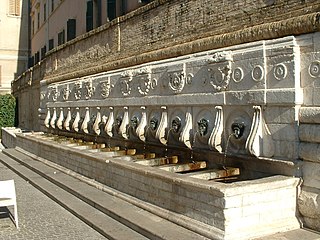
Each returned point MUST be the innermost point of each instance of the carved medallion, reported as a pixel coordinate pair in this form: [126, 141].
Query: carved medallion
[257, 73]
[237, 74]
[88, 89]
[314, 69]
[220, 77]
[177, 81]
[280, 71]
[77, 90]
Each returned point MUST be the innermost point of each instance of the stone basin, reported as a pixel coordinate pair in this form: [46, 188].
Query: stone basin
[237, 210]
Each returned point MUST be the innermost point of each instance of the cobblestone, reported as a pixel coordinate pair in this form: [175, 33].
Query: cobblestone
[39, 216]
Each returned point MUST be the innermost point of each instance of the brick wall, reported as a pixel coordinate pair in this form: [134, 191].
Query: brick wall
[167, 24]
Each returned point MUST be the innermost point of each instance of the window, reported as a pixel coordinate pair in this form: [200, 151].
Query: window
[89, 16]
[52, 5]
[43, 52]
[61, 37]
[123, 7]
[98, 12]
[14, 7]
[71, 29]
[37, 57]
[111, 9]
[44, 12]
[38, 18]
[51, 44]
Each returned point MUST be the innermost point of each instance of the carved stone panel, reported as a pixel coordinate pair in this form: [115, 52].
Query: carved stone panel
[125, 83]
[105, 88]
[77, 90]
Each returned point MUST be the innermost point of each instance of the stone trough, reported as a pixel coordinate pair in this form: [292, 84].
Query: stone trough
[238, 209]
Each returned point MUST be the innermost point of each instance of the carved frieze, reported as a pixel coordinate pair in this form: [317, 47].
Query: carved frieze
[145, 81]
[66, 92]
[220, 77]
[105, 88]
[53, 93]
[125, 83]
[177, 81]
[219, 70]
[88, 89]
[77, 90]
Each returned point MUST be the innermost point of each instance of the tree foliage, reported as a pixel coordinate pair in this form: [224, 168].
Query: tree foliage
[7, 110]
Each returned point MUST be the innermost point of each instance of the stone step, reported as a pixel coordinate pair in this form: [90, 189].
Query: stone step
[104, 224]
[130, 216]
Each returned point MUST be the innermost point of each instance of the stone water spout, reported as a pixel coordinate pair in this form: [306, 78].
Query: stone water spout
[237, 129]
[97, 121]
[185, 133]
[66, 123]
[140, 131]
[75, 124]
[110, 122]
[47, 119]
[215, 140]
[60, 119]
[123, 129]
[54, 118]
[163, 125]
[259, 142]
[84, 125]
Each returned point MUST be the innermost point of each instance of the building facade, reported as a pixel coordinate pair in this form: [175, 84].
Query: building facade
[13, 41]
[55, 22]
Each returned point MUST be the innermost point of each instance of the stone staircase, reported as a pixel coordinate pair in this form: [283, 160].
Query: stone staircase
[104, 211]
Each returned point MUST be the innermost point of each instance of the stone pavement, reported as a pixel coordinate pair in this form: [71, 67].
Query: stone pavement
[40, 217]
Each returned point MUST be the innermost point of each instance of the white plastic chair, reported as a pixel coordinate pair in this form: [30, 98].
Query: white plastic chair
[8, 197]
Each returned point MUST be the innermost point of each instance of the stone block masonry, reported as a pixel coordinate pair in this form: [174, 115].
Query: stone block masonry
[309, 199]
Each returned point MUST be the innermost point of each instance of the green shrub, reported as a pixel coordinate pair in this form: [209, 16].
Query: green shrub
[7, 110]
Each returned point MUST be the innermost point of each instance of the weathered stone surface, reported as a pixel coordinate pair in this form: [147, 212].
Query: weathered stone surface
[311, 174]
[310, 152]
[309, 114]
[313, 223]
[309, 202]
[309, 133]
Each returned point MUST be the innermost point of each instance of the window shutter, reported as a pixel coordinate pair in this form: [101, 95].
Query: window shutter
[71, 29]
[89, 16]
[17, 7]
[11, 7]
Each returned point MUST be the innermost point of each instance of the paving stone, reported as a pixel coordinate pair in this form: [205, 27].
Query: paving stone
[40, 217]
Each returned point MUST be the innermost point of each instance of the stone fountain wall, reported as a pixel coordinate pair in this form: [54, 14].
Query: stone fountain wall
[159, 72]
